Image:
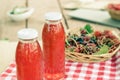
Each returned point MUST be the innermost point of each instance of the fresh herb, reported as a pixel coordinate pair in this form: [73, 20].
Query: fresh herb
[88, 28]
[104, 49]
[67, 43]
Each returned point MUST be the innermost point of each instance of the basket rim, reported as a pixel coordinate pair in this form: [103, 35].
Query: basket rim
[106, 54]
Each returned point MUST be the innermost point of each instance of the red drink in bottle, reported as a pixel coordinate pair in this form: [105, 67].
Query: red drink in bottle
[29, 56]
[53, 37]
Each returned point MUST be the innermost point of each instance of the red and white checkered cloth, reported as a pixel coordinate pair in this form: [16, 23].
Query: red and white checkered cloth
[108, 70]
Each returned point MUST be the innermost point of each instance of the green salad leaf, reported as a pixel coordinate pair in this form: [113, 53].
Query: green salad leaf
[88, 28]
[104, 49]
[66, 41]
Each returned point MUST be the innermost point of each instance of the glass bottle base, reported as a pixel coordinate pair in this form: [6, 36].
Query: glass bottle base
[58, 76]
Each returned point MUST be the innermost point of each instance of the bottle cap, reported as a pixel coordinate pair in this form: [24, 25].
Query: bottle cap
[53, 16]
[28, 33]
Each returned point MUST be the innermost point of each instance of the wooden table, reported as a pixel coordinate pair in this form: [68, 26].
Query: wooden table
[9, 28]
[7, 54]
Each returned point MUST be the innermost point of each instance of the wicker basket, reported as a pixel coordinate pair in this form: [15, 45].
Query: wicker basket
[115, 14]
[80, 57]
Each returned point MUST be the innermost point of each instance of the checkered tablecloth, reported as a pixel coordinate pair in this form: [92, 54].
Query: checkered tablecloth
[108, 70]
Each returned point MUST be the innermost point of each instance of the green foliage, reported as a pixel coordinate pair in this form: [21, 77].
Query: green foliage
[88, 28]
[104, 49]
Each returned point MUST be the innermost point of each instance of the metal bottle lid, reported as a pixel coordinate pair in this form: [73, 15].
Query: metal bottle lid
[28, 33]
[53, 16]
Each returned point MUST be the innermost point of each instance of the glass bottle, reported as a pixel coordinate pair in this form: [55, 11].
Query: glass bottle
[53, 39]
[29, 62]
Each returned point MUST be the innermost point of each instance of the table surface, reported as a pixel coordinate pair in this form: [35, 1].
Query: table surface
[9, 28]
[108, 70]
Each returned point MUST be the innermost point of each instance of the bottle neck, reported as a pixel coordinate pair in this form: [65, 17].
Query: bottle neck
[28, 40]
[53, 21]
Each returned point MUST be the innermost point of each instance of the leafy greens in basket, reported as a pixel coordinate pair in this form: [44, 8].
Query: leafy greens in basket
[92, 42]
